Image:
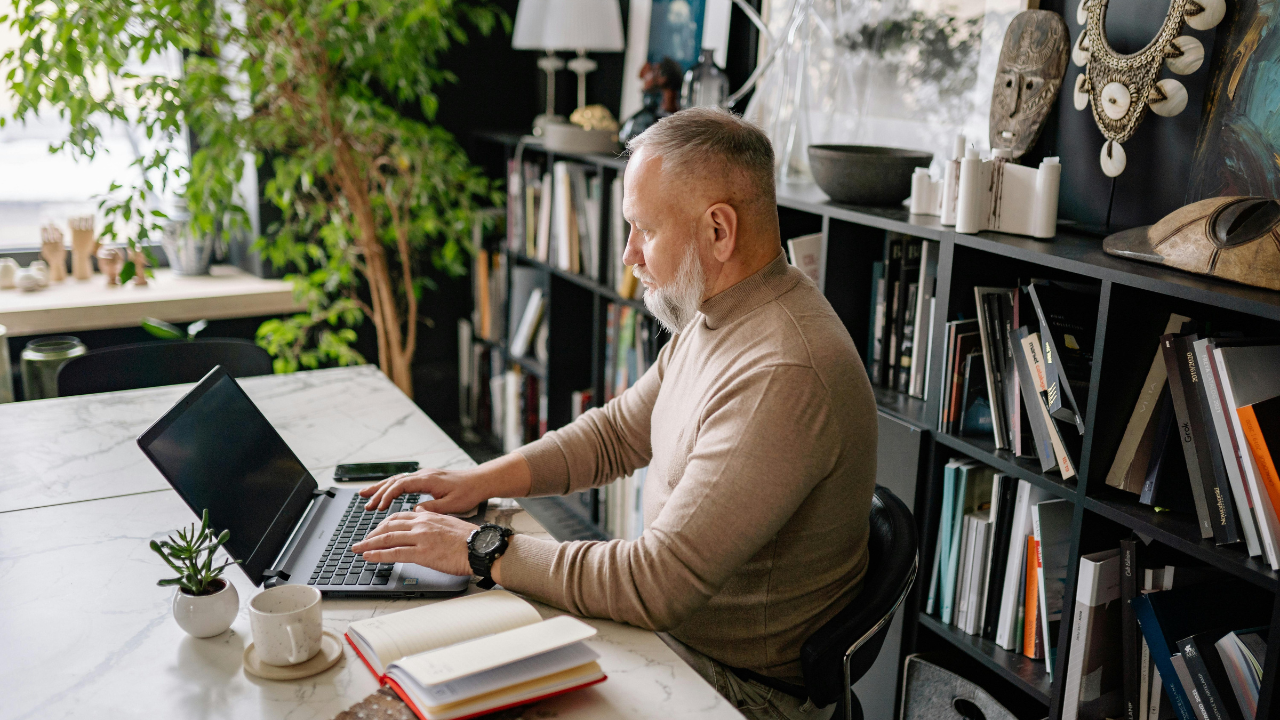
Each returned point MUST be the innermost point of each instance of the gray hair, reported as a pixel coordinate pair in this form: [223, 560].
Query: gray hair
[706, 140]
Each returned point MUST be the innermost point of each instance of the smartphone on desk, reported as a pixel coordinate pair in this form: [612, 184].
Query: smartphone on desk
[368, 472]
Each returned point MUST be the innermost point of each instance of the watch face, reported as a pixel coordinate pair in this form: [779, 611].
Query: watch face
[487, 540]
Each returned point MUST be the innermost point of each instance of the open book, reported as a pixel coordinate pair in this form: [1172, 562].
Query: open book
[475, 654]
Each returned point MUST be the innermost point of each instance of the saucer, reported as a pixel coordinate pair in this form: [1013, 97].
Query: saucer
[329, 655]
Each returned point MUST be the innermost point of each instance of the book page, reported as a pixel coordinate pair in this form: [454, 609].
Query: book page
[506, 676]
[450, 663]
[392, 637]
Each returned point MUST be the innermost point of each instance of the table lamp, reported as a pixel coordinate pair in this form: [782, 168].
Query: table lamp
[579, 25]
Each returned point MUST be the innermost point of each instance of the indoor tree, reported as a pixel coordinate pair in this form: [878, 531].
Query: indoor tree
[333, 99]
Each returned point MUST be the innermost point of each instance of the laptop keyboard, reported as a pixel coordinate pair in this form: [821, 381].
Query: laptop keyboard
[340, 566]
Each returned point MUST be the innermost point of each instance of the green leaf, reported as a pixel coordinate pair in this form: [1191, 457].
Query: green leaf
[162, 329]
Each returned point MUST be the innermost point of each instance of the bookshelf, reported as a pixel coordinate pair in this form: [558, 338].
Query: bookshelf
[1135, 299]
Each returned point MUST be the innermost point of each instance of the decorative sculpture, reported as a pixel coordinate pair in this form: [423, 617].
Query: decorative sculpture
[110, 262]
[1121, 87]
[139, 259]
[34, 277]
[1033, 59]
[998, 195]
[83, 246]
[1232, 238]
[54, 251]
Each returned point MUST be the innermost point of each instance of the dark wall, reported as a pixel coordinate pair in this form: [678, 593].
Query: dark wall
[1157, 177]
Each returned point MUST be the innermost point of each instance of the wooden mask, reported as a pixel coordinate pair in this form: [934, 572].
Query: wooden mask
[1233, 238]
[1033, 59]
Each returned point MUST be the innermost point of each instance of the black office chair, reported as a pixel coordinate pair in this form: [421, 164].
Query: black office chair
[152, 364]
[842, 651]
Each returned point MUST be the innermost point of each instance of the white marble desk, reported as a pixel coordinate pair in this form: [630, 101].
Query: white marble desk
[85, 448]
[86, 632]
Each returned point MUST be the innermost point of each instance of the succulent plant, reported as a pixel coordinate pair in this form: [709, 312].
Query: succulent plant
[190, 555]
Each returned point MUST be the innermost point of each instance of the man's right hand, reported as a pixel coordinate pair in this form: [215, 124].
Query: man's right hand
[455, 491]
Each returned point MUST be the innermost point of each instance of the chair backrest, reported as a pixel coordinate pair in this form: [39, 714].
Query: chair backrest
[860, 628]
[152, 364]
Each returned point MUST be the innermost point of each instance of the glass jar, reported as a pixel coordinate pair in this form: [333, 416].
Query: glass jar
[41, 360]
[705, 84]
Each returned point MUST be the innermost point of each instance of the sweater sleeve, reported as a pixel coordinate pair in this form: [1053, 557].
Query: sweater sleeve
[603, 444]
[743, 481]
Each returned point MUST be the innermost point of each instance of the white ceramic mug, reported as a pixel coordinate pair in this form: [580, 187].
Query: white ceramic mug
[286, 623]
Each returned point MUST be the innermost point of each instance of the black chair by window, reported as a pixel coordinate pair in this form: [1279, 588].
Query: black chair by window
[153, 364]
[842, 651]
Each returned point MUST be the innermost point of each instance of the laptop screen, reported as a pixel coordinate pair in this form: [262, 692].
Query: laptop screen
[219, 452]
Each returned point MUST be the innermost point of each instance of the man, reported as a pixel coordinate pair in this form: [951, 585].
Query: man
[756, 422]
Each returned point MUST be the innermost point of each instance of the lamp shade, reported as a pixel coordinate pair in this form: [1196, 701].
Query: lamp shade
[568, 25]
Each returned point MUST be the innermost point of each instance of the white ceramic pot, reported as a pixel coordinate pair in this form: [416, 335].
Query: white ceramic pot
[204, 616]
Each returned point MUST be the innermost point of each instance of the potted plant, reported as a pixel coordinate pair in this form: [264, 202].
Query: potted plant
[334, 99]
[205, 604]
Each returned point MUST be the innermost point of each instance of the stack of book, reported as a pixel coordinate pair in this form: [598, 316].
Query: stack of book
[1019, 372]
[903, 286]
[475, 655]
[556, 217]
[631, 345]
[1152, 640]
[1000, 563]
[1204, 435]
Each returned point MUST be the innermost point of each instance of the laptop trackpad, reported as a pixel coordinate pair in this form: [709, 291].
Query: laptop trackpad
[416, 577]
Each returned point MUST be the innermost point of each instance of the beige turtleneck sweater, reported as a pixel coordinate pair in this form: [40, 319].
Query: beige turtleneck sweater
[758, 426]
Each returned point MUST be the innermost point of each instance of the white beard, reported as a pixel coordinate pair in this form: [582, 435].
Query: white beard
[676, 304]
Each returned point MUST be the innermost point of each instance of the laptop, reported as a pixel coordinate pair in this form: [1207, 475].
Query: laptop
[218, 451]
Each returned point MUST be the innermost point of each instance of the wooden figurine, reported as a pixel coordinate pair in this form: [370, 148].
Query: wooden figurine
[110, 262]
[83, 246]
[139, 259]
[54, 251]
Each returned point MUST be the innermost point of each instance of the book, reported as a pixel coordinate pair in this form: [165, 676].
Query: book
[946, 518]
[1004, 493]
[1209, 677]
[1242, 655]
[1031, 352]
[1133, 456]
[1031, 400]
[1260, 423]
[1252, 368]
[809, 253]
[976, 413]
[1052, 522]
[964, 574]
[970, 483]
[475, 654]
[1028, 496]
[1175, 349]
[894, 244]
[528, 326]
[1222, 509]
[1184, 679]
[964, 341]
[1068, 315]
[923, 317]
[989, 329]
[1095, 637]
[1224, 445]
[1180, 612]
[875, 331]
[1032, 638]
[905, 311]
[1130, 638]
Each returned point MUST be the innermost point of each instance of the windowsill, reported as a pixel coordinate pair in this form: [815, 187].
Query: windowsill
[73, 305]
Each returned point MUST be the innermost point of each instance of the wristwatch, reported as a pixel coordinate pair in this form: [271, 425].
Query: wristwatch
[484, 546]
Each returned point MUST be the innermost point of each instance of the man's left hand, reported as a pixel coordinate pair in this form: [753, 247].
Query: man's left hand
[425, 538]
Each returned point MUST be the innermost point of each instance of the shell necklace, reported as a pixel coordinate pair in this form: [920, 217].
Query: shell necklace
[1121, 87]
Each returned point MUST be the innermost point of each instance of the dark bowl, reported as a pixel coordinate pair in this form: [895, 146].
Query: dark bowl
[865, 174]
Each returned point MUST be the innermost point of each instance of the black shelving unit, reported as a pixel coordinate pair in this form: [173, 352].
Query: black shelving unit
[1135, 300]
